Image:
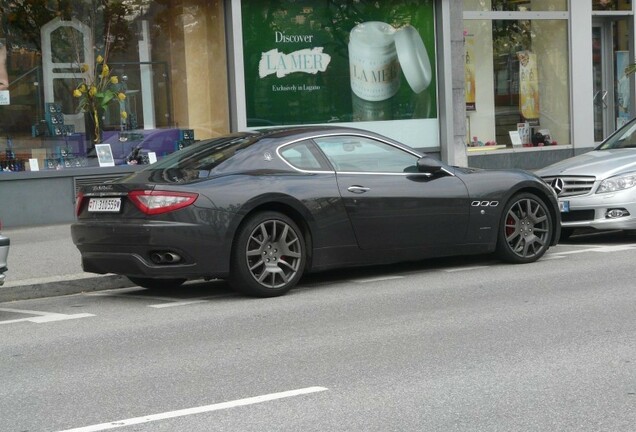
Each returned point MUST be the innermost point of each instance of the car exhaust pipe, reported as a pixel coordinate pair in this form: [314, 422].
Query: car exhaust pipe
[171, 257]
[165, 257]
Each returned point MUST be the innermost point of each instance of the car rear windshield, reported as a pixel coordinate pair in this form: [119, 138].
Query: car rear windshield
[199, 160]
[625, 137]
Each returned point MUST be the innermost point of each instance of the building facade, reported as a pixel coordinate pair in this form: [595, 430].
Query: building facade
[92, 89]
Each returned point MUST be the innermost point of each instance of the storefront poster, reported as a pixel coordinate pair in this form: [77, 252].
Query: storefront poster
[528, 85]
[301, 65]
[469, 71]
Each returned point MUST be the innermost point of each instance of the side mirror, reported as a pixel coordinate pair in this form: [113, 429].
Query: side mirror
[429, 165]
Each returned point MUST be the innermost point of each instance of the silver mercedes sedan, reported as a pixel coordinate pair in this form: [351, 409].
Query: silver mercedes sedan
[596, 189]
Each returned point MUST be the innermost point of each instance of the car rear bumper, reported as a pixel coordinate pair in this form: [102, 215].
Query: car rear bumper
[136, 248]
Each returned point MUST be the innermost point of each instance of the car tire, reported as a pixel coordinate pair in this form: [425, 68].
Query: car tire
[526, 229]
[159, 284]
[269, 255]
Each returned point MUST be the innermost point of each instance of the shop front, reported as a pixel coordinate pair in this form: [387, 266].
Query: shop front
[94, 89]
[545, 79]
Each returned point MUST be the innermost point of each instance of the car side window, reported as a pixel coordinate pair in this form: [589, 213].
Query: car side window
[362, 154]
[302, 155]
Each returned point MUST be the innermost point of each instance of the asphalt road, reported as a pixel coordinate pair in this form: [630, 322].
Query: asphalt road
[462, 344]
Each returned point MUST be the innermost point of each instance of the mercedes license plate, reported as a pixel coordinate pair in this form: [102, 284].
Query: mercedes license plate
[104, 205]
[564, 206]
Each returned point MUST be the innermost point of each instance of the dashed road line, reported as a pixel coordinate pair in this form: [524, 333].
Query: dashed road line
[601, 249]
[41, 317]
[376, 279]
[197, 410]
[460, 269]
[177, 303]
[551, 256]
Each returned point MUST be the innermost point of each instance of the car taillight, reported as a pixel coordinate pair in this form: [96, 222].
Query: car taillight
[157, 202]
[78, 203]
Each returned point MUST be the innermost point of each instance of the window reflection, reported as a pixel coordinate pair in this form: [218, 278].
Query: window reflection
[516, 5]
[609, 5]
[520, 82]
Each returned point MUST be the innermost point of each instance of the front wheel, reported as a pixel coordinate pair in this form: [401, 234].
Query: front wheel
[269, 255]
[526, 229]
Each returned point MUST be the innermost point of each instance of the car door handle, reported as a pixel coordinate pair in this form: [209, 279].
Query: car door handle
[358, 189]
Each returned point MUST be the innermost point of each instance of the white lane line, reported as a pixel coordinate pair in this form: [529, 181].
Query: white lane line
[114, 291]
[197, 410]
[377, 279]
[454, 270]
[177, 303]
[553, 256]
[602, 249]
[41, 317]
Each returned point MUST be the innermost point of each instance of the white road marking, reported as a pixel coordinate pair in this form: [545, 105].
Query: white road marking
[132, 296]
[553, 256]
[197, 410]
[454, 270]
[169, 301]
[41, 317]
[114, 291]
[177, 303]
[601, 249]
[377, 279]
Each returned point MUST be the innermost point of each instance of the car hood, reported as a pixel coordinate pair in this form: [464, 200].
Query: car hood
[598, 163]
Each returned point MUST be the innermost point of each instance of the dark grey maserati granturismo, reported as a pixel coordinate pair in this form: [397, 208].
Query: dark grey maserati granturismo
[261, 209]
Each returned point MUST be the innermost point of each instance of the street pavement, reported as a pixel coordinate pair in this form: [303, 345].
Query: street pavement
[44, 262]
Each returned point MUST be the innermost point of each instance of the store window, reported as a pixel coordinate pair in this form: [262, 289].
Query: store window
[145, 77]
[517, 5]
[517, 78]
[610, 5]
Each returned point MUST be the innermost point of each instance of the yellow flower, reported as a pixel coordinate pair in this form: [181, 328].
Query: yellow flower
[92, 91]
[99, 59]
[77, 93]
[121, 96]
[82, 88]
[84, 68]
[114, 80]
[105, 71]
[124, 115]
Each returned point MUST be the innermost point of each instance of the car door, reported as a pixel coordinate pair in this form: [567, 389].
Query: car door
[389, 202]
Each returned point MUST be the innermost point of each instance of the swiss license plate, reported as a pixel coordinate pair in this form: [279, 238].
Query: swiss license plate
[104, 205]
[564, 206]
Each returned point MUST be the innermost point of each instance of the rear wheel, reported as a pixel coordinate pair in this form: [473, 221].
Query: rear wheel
[156, 283]
[526, 229]
[269, 255]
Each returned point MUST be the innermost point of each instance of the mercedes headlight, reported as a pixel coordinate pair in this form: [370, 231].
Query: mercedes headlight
[617, 183]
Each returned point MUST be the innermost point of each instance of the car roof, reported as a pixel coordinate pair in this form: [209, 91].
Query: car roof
[309, 131]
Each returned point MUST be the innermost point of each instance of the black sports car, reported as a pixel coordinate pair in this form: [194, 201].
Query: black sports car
[262, 208]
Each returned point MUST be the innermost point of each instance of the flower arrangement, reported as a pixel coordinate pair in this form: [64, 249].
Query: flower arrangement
[98, 88]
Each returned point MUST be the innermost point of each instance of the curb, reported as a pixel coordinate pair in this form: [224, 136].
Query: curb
[60, 286]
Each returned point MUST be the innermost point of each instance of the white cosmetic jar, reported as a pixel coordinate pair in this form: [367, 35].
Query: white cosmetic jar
[377, 53]
[373, 62]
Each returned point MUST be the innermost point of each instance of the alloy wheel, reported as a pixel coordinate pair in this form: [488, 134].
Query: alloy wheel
[527, 228]
[273, 253]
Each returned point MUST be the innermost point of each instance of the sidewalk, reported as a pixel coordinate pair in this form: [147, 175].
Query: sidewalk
[44, 262]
